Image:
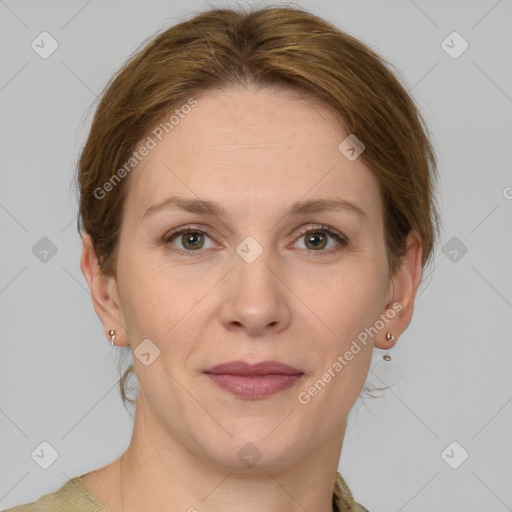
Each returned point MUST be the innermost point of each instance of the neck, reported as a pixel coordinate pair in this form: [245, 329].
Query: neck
[156, 471]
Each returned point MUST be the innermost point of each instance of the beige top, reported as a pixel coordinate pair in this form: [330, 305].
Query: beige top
[73, 496]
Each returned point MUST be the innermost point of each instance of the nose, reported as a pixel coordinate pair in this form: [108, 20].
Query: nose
[256, 300]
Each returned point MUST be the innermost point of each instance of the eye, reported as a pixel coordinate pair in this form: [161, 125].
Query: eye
[191, 239]
[316, 239]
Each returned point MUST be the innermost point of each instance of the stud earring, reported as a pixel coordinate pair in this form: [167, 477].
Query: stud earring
[112, 335]
[390, 336]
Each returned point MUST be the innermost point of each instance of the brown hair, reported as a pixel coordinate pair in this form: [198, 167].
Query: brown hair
[282, 47]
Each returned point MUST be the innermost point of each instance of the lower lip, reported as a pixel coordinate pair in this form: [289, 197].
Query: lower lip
[255, 386]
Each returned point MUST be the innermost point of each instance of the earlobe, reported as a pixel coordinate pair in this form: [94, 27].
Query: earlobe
[405, 283]
[103, 290]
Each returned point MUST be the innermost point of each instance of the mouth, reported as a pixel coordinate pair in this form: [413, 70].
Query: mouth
[254, 382]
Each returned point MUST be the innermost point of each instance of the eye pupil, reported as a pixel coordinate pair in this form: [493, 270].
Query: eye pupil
[191, 238]
[313, 239]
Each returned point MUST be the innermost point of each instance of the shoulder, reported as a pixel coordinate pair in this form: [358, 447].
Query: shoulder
[71, 497]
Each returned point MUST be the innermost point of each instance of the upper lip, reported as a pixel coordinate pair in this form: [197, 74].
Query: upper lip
[263, 368]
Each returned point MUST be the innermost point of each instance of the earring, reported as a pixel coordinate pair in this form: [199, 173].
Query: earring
[390, 336]
[112, 335]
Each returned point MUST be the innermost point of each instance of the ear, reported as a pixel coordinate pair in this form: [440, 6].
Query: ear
[104, 293]
[405, 284]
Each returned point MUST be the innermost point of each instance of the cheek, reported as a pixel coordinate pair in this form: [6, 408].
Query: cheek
[162, 302]
[345, 303]
[342, 349]
[147, 300]
[344, 300]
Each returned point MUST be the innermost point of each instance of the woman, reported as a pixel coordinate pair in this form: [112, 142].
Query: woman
[256, 205]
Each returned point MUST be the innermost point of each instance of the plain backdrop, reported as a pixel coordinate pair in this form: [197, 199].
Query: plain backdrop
[449, 379]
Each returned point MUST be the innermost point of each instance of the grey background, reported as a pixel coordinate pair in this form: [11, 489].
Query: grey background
[450, 372]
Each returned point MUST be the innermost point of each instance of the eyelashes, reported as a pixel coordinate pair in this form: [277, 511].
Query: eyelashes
[313, 230]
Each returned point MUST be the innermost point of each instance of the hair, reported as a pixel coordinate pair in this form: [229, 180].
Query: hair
[271, 47]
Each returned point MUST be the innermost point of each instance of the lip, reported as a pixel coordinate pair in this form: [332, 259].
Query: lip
[247, 369]
[256, 381]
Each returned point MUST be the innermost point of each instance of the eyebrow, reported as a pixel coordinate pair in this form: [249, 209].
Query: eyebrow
[297, 208]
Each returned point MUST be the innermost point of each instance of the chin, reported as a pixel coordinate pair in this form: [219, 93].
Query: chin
[256, 445]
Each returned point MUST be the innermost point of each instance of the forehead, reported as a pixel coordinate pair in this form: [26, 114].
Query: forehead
[248, 149]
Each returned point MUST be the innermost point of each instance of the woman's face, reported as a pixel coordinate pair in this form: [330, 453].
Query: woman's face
[249, 284]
